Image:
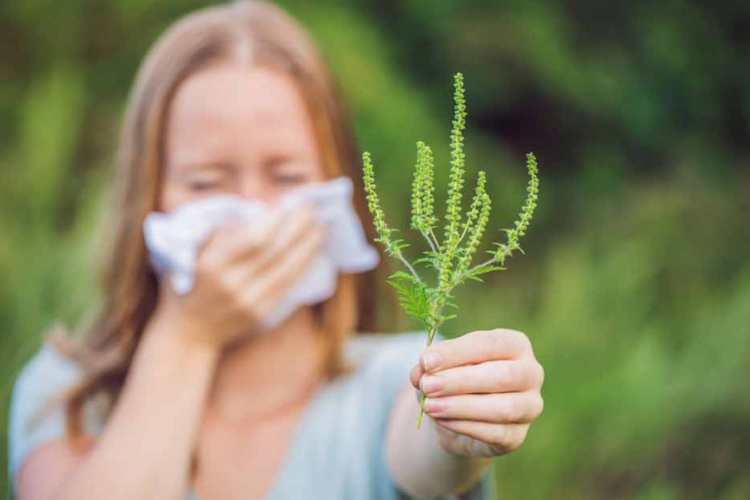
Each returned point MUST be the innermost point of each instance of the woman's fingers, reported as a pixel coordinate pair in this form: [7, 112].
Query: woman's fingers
[416, 374]
[508, 408]
[293, 231]
[289, 266]
[238, 240]
[262, 240]
[476, 347]
[502, 438]
[292, 227]
[487, 377]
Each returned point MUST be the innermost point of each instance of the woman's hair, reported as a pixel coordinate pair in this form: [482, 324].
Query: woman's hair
[221, 33]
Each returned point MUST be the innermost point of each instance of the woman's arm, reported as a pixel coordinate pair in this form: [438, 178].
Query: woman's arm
[144, 450]
[483, 390]
[416, 459]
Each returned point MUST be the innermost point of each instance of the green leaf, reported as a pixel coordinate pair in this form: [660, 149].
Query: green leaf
[403, 275]
[397, 286]
[412, 295]
[424, 259]
[487, 269]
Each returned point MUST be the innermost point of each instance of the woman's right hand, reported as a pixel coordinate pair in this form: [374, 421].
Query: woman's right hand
[242, 273]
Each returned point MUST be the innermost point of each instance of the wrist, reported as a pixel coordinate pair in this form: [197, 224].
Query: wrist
[473, 470]
[179, 335]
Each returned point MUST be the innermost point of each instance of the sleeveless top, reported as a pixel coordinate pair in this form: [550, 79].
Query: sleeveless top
[337, 451]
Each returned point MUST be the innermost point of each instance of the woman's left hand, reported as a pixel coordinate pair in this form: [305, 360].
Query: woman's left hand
[482, 389]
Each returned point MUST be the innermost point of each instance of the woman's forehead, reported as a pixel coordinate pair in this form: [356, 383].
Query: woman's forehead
[229, 105]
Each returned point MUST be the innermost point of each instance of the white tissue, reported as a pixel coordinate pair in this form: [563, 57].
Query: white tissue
[173, 240]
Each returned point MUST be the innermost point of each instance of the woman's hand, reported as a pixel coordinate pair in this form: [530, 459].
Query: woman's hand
[242, 273]
[482, 390]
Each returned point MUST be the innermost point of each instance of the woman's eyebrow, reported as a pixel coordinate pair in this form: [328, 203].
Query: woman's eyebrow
[276, 159]
[288, 161]
[192, 166]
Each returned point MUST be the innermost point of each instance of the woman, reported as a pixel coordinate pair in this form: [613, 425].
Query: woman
[170, 396]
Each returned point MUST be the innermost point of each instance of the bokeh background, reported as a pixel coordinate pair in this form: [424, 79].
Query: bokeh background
[635, 286]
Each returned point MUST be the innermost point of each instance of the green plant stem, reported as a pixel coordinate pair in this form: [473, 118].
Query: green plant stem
[430, 336]
[421, 412]
[478, 266]
[409, 266]
[466, 229]
[427, 237]
[436, 240]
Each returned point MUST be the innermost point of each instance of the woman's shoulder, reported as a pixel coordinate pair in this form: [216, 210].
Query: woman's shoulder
[46, 370]
[366, 349]
[372, 352]
[382, 363]
[45, 375]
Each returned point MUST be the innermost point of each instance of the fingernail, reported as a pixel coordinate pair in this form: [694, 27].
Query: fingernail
[431, 405]
[430, 384]
[431, 360]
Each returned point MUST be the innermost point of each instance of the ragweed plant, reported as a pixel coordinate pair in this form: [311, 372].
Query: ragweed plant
[452, 258]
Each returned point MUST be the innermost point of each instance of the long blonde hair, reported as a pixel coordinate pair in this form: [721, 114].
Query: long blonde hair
[130, 286]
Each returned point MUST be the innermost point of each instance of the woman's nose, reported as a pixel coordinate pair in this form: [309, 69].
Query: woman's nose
[253, 189]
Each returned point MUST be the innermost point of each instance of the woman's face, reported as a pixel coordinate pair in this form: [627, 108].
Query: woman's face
[239, 130]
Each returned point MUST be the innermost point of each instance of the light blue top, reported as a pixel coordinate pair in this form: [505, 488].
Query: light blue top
[338, 448]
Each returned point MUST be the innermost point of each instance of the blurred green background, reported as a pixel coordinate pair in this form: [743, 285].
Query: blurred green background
[635, 286]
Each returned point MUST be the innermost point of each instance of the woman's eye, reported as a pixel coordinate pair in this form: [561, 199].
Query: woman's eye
[291, 179]
[202, 185]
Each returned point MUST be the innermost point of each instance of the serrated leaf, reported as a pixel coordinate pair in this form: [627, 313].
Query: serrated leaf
[403, 275]
[487, 269]
[397, 286]
[424, 259]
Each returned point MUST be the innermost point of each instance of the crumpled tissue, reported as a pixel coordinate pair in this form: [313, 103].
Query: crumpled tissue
[174, 238]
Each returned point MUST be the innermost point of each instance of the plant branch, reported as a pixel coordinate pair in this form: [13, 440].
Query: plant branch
[427, 237]
[409, 266]
[436, 240]
[451, 261]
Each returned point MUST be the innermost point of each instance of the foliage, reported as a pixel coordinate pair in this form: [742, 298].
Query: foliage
[450, 260]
